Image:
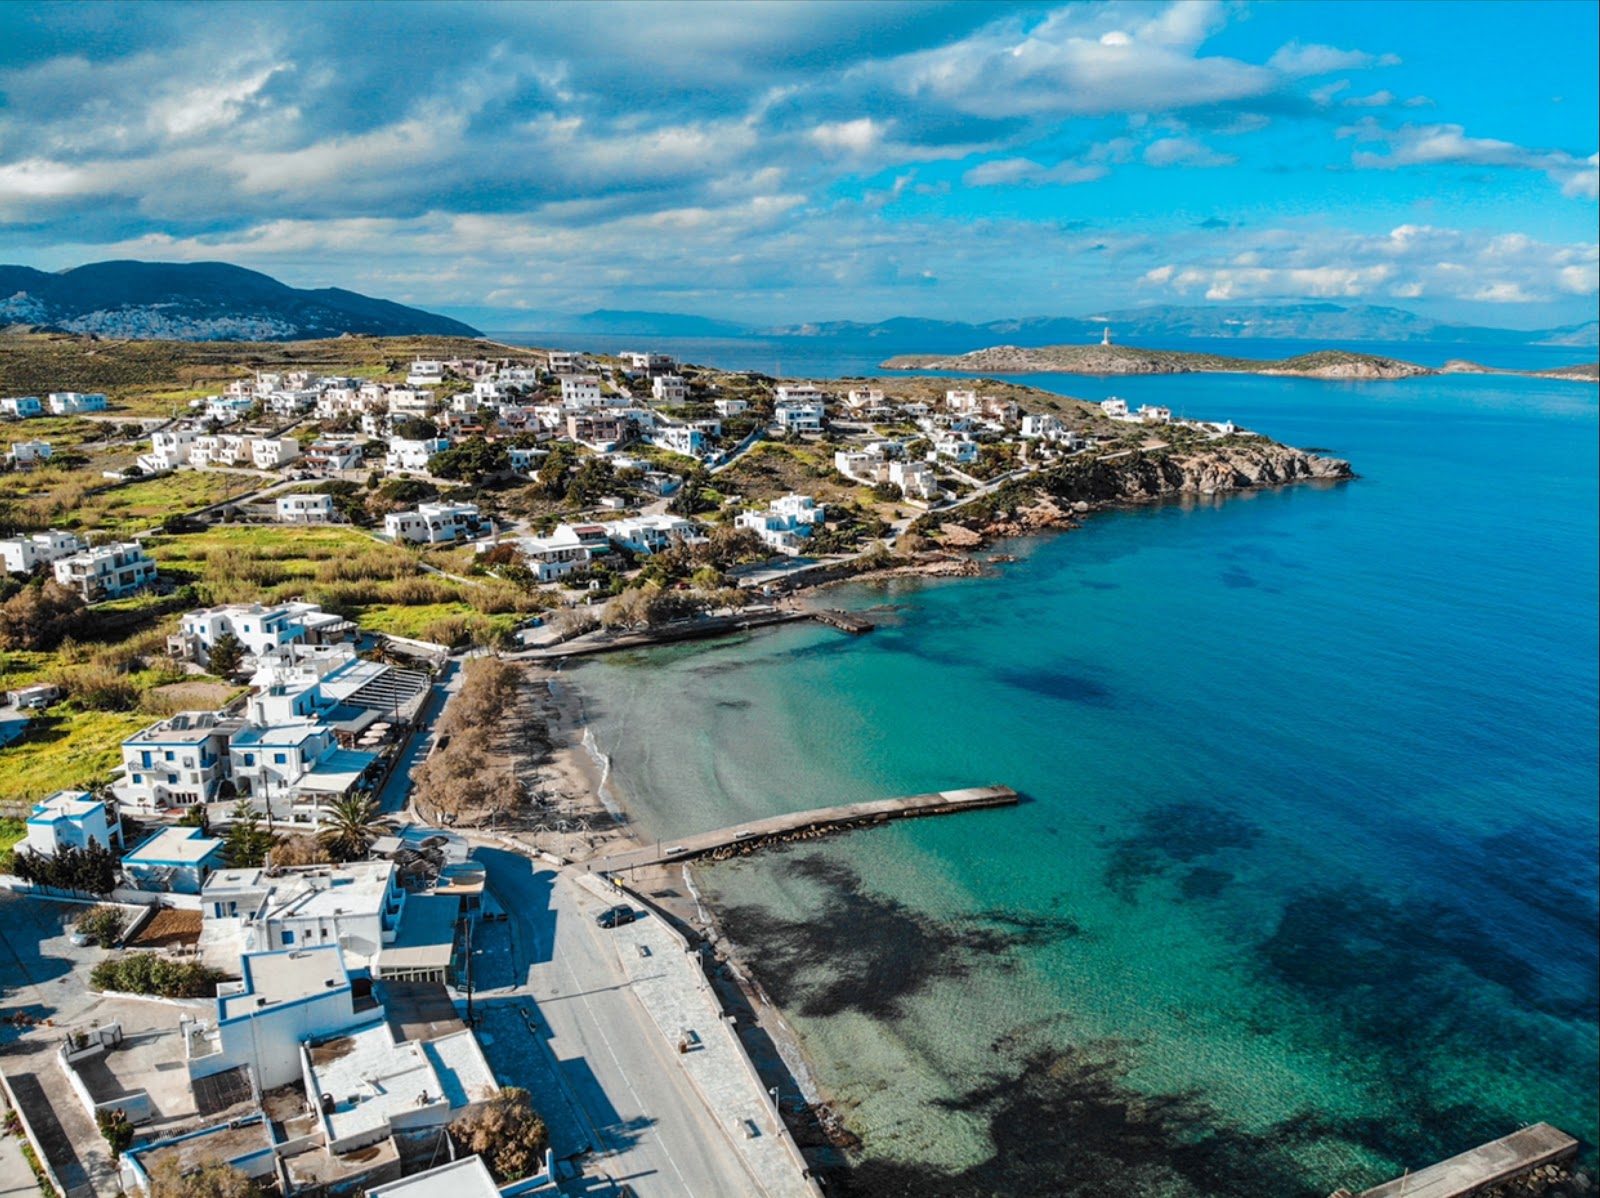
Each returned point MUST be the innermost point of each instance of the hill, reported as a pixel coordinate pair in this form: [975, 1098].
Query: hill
[1124, 359]
[201, 301]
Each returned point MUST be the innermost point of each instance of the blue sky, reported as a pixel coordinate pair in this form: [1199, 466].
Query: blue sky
[778, 162]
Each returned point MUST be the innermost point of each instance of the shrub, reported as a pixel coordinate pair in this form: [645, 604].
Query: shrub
[144, 973]
[102, 925]
[506, 1132]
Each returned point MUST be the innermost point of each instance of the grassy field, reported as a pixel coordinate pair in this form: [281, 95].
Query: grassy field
[84, 499]
[146, 378]
[66, 750]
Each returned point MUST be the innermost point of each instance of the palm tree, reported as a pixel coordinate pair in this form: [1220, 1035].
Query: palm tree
[351, 825]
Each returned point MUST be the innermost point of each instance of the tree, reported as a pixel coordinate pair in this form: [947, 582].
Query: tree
[116, 1128]
[471, 460]
[211, 1180]
[297, 850]
[247, 843]
[351, 827]
[505, 1131]
[415, 428]
[39, 616]
[197, 816]
[226, 654]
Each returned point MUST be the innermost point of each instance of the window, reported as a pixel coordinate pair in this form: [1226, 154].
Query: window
[288, 937]
[249, 759]
[169, 755]
[279, 758]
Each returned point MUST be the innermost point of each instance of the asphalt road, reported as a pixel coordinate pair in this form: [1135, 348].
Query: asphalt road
[629, 1095]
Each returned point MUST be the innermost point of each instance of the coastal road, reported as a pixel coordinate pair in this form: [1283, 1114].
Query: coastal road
[622, 1087]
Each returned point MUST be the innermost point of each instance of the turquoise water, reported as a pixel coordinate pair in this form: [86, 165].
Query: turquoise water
[1303, 891]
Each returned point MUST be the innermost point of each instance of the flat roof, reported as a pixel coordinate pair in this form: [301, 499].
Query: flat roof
[174, 846]
[427, 935]
[468, 1177]
[370, 1079]
[283, 976]
[337, 772]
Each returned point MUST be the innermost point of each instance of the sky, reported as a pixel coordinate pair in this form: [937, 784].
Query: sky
[773, 163]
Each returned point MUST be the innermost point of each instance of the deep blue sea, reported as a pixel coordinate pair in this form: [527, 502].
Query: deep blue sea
[1303, 891]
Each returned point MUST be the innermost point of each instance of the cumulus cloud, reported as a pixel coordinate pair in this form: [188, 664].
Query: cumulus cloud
[1434, 145]
[1295, 59]
[1409, 262]
[1027, 173]
[1184, 151]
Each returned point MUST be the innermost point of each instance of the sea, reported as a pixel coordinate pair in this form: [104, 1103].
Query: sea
[1303, 889]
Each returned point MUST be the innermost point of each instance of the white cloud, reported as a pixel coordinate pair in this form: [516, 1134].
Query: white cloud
[1184, 151]
[1298, 60]
[1434, 145]
[1378, 99]
[1026, 172]
[852, 137]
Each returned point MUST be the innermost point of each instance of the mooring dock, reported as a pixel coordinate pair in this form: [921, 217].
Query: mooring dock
[1521, 1152]
[684, 848]
[844, 621]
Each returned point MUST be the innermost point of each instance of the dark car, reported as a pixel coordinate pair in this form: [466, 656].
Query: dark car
[615, 917]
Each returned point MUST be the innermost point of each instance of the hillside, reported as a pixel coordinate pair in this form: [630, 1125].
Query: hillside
[1124, 359]
[201, 301]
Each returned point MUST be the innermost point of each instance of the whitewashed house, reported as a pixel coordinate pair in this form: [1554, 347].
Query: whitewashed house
[580, 391]
[74, 403]
[176, 762]
[30, 453]
[305, 509]
[20, 554]
[434, 523]
[669, 389]
[70, 819]
[799, 417]
[787, 524]
[21, 406]
[412, 456]
[106, 571]
[271, 453]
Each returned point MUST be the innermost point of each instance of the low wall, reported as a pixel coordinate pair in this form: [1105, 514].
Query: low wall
[28, 1133]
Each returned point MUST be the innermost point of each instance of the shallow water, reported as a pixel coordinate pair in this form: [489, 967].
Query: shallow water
[1303, 891]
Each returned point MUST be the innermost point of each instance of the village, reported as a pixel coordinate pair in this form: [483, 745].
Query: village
[252, 843]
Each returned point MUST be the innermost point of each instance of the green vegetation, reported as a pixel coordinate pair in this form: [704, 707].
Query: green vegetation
[117, 1130]
[89, 870]
[352, 824]
[506, 1132]
[247, 843]
[102, 925]
[143, 973]
[71, 749]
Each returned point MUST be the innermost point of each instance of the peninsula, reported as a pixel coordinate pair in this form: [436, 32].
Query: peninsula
[1108, 359]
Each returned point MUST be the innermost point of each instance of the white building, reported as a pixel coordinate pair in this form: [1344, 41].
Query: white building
[799, 417]
[580, 391]
[405, 402]
[957, 449]
[651, 363]
[433, 523]
[651, 534]
[961, 400]
[669, 388]
[228, 409]
[562, 362]
[413, 456]
[425, 372]
[554, 556]
[269, 453]
[301, 508]
[175, 860]
[356, 908]
[787, 524]
[261, 630]
[914, 478]
[731, 407]
[329, 455]
[30, 453]
[863, 465]
[21, 406]
[468, 1177]
[688, 439]
[21, 554]
[1116, 409]
[70, 819]
[1150, 414]
[106, 571]
[798, 393]
[283, 999]
[176, 762]
[73, 403]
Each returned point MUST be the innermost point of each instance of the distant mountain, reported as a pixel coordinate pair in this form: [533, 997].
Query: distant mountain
[1320, 322]
[615, 322]
[201, 301]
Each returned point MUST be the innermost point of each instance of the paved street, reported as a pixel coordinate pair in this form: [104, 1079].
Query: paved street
[633, 1098]
[396, 790]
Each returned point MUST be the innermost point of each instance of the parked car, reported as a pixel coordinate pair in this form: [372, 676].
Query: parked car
[615, 917]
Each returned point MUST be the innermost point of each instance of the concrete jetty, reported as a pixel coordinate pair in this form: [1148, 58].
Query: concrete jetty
[1521, 1152]
[844, 621]
[684, 848]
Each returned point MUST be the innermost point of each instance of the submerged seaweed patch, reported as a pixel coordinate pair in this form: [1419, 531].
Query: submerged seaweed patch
[866, 952]
[1175, 834]
[1059, 684]
[1065, 1123]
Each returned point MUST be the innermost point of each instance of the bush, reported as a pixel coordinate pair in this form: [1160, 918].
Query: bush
[102, 925]
[143, 973]
[116, 1128]
[506, 1132]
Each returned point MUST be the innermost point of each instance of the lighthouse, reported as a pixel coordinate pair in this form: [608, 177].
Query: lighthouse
[1105, 336]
